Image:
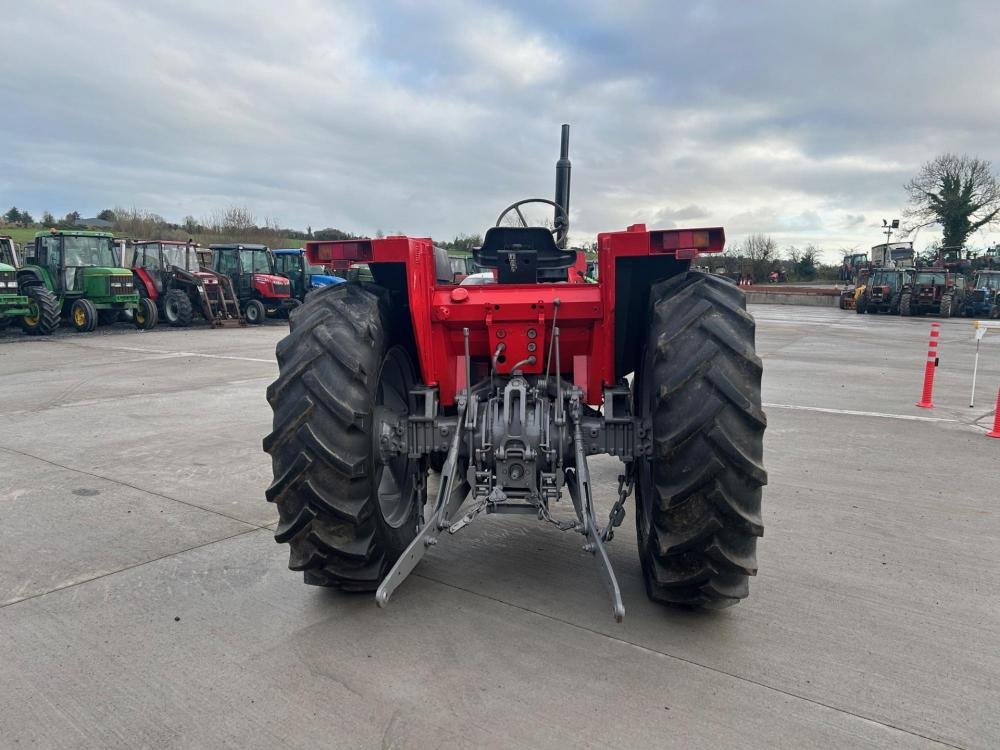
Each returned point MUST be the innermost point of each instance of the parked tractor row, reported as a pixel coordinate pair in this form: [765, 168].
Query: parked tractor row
[889, 283]
[91, 279]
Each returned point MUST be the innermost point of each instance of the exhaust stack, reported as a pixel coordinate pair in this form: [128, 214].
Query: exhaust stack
[563, 167]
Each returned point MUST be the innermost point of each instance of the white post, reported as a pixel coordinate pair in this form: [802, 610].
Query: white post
[975, 366]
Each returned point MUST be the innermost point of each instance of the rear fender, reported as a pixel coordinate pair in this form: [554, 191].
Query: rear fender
[33, 275]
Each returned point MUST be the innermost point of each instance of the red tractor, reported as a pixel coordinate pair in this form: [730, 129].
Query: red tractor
[170, 274]
[516, 383]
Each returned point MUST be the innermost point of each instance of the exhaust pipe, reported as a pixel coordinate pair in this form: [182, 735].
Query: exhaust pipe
[563, 167]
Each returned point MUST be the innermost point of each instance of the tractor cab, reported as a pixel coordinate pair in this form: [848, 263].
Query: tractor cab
[81, 264]
[156, 262]
[302, 275]
[259, 288]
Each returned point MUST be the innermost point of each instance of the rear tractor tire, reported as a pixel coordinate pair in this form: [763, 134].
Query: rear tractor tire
[945, 309]
[177, 309]
[255, 312]
[83, 313]
[904, 305]
[44, 307]
[145, 316]
[698, 497]
[346, 511]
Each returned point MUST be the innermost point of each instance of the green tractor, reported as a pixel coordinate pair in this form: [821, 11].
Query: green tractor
[76, 273]
[12, 303]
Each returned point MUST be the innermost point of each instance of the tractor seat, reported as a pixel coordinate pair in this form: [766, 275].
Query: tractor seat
[523, 255]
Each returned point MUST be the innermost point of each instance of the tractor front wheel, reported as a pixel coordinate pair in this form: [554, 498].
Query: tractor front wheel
[698, 496]
[146, 315]
[945, 310]
[84, 315]
[43, 311]
[255, 312]
[904, 305]
[348, 504]
[177, 309]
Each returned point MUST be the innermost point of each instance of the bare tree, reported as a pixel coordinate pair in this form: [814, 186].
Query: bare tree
[760, 251]
[960, 193]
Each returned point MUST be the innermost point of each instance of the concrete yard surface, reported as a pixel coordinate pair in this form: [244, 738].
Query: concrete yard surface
[144, 602]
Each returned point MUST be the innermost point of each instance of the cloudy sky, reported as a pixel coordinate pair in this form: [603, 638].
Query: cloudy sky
[798, 119]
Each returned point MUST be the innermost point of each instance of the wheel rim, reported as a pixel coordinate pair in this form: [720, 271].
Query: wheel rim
[79, 317]
[34, 313]
[394, 473]
[170, 308]
[252, 313]
[140, 317]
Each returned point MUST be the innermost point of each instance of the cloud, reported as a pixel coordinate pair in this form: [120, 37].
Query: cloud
[790, 118]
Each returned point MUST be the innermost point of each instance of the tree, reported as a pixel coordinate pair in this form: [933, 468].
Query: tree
[107, 215]
[27, 218]
[13, 216]
[761, 251]
[71, 218]
[48, 219]
[960, 193]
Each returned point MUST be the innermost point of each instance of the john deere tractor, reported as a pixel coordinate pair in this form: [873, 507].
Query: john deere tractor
[75, 273]
[12, 303]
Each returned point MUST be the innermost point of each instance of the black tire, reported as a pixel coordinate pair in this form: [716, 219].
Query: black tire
[5, 321]
[945, 310]
[904, 304]
[83, 315]
[177, 309]
[995, 311]
[46, 307]
[698, 497]
[861, 307]
[327, 473]
[146, 315]
[255, 312]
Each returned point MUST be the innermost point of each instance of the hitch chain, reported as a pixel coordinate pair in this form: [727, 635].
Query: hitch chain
[626, 483]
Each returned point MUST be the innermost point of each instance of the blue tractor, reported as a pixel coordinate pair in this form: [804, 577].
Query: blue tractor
[984, 297]
[303, 277]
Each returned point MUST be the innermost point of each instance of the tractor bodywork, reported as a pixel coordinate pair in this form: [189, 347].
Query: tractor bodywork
[507, 388]
[933, 290]
[170, 274]
[599, 324]
[13, 304]
[883, 290]
[79, 270]
[258, 287]
[302, 276]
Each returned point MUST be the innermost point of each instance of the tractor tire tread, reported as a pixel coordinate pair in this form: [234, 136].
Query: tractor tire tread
[706, 472]
[320, 445]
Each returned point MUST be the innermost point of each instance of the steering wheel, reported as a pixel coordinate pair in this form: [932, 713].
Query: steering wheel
[561, 222]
